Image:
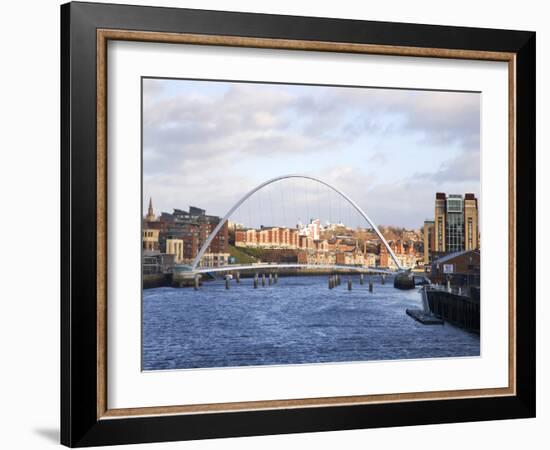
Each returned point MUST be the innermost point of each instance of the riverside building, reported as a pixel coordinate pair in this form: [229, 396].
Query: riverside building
[455, 225]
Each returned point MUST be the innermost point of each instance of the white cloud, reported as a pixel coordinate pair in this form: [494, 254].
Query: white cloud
[196, 138]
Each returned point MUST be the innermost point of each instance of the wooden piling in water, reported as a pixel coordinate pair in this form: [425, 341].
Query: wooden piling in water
[227, 283]
[383, 278]
[371, 286]
[276, 277]
[263, 279]
[361, 279]
[238, 277]
[270, 279]
[349, 284]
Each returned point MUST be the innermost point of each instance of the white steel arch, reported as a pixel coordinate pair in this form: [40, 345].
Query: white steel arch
[274, 180]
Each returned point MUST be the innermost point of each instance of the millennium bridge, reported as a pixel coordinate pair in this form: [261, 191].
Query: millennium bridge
[195, 270]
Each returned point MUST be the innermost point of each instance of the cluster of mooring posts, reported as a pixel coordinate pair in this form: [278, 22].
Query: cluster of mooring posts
[263, 279]
[336, 280]
[272, 278]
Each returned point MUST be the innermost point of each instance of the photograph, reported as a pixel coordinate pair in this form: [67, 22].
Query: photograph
[288, 224]
[272, 222]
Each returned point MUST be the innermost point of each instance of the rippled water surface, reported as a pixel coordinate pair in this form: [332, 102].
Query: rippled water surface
[298, 320]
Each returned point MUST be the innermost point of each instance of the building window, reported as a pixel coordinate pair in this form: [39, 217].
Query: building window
[470, 233]
[454, 232]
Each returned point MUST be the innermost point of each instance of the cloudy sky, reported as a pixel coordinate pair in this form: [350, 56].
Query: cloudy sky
[206, 143]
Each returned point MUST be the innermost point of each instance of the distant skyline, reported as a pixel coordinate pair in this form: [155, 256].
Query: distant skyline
[207, 143]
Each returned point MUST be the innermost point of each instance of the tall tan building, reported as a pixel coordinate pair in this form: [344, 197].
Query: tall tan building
[455, 223]
[439, 222]
[471, 232]
[429, 240]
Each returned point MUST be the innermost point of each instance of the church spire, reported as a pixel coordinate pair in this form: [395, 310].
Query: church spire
[150, 217]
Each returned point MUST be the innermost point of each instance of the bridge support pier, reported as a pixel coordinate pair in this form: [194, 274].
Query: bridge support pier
[196, 283]
[256, 281]
[227, 283]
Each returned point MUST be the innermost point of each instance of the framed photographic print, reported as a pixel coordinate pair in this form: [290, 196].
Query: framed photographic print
[277, 224]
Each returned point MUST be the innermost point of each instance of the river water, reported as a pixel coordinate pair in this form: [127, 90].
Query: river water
[298, 320]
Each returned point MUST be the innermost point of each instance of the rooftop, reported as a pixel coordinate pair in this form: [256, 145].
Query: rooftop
[451, 256]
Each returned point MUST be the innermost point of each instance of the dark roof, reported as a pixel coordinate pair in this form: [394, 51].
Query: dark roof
[450, 256]
[195, 210]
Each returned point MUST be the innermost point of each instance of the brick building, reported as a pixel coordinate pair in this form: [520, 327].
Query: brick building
[268, 237]
[460, 268]
[183, 233]
[404, 252]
